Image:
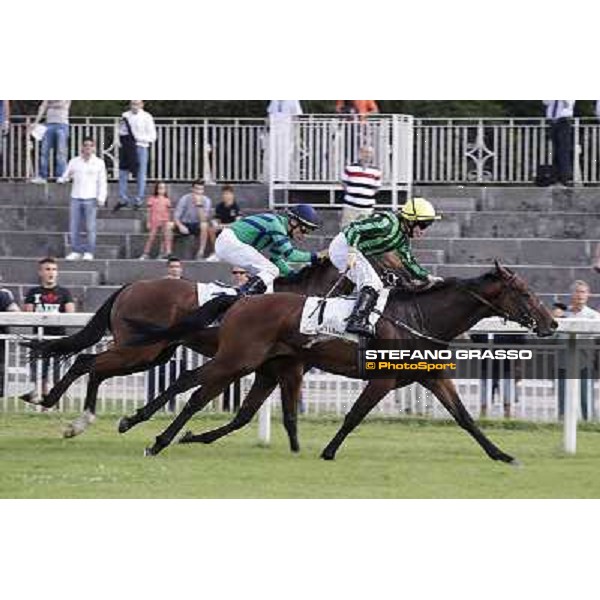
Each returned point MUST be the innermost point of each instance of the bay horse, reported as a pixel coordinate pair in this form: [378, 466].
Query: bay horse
[256, 329]
[165, 302]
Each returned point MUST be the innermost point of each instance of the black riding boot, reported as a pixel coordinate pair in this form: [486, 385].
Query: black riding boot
[254, 285]
[358, 321]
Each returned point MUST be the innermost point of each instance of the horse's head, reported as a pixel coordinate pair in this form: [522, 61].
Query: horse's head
[512, 296]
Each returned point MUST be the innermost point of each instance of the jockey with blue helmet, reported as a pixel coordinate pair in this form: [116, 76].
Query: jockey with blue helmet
[242, 244]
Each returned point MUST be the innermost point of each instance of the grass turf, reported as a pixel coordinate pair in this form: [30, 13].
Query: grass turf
[382, 459]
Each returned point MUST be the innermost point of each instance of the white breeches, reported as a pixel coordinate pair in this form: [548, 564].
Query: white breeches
[230, 249]
[362, 274]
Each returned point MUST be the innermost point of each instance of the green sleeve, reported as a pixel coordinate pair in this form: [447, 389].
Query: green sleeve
[374, 225]
[410, 263]
[284, 268]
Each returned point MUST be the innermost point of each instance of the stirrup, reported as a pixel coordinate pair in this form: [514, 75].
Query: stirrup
[253, 286]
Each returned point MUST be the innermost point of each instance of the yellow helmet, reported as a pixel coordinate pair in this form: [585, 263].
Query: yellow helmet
[419, 209]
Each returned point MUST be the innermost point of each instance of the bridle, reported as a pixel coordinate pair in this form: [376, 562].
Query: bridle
[523, 316]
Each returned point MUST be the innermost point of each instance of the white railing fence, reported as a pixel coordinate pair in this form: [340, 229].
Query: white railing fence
[497, 150]
[564, 381]
[310, 150]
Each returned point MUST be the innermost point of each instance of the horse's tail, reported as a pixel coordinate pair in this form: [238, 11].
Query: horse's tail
[146, 333]
[84, 338]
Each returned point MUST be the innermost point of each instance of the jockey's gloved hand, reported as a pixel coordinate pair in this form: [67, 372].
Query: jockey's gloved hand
[433, 279]
[351, 260]
[322, 255]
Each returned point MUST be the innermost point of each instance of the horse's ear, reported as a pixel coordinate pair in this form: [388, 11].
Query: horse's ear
[499, 268]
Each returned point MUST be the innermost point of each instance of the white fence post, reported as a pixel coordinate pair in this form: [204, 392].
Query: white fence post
[264, 422]
[572, 395]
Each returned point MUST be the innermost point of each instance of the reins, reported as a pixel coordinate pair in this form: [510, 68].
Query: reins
[400, 324]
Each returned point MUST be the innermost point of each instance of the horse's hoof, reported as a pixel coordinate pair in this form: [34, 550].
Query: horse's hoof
[295, 449]
[69, 432]
[186, 438]
[325, 455]
[517, 464]
[123, 425]
[150, 451]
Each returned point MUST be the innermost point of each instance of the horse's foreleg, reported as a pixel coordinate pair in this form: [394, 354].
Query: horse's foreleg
[375, 390]
[263, 386]
[445, 391]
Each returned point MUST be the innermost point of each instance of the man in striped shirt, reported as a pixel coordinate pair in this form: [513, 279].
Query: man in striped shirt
[242, 243]
[382, 232]
[361, 182]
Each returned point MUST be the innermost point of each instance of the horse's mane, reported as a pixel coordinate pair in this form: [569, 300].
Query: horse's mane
[449, 283]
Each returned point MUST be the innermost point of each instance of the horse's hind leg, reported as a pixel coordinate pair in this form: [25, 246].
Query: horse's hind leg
[445, 392]
[216, 379]
[111, 363]
[185, 381]
[289, 374]
[82, 365]
[376, 389]
[262, 387]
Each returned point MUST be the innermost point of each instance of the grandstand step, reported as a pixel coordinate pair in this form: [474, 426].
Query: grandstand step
[443, 205]
[254, 195]
[122, 225]
[545, 225]
[545, 279]
[81, 278]
[108, 252]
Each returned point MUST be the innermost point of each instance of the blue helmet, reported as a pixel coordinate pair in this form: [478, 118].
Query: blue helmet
[305, 214]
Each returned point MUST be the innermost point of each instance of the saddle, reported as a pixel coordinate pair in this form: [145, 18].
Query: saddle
[328, 317]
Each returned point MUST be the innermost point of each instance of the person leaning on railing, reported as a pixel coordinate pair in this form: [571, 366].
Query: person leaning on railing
[578, 308]
[56, 137]
[7, 304]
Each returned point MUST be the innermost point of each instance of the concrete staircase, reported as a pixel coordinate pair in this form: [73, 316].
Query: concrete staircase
[547, 235]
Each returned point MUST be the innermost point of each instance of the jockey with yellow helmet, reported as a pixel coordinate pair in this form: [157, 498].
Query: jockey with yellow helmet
[382, 232]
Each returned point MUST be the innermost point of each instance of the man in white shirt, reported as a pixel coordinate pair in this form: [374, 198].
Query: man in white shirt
[580, 293]
[281, 132]
[144, 131]
[560, 113]
[578, 308]
[361, 181]
[88, 173]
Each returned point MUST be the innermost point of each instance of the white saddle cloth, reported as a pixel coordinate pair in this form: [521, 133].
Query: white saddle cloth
[329, 317]
[208, 291]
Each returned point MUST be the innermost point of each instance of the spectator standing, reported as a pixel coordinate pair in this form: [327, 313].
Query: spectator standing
[361, 182]
[4, 127]
[281, 113]
[159, 221]
[192, 216]
[7, 304]
[47, 297]
[227, 210]
[140, 124]
[56, 137]
[560, 113]
[88, 173]
[362, 108]
[578, 308]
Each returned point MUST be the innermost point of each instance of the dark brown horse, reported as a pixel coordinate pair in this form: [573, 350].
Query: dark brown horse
[247, 339]
[165, 302]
